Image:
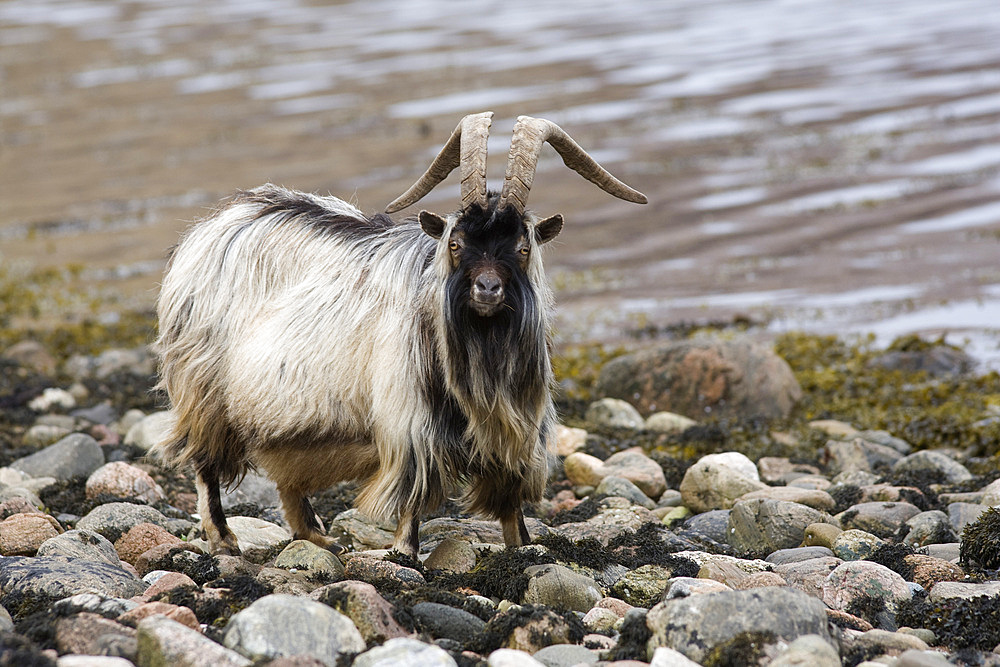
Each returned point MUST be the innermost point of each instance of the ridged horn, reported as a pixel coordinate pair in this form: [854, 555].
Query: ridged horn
[525, 145]
[466, 148]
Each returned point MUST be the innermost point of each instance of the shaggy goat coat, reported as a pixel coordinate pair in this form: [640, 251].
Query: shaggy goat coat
[302, 337]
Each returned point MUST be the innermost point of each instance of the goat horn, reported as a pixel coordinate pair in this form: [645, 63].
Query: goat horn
[529, 135]
[465, 148]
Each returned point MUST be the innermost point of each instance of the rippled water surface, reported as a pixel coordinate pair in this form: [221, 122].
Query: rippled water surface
[827, 165]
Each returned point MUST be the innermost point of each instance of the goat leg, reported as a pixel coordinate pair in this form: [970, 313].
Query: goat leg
[305, 524]
[407, 538]
[515, 533]
[213, 518]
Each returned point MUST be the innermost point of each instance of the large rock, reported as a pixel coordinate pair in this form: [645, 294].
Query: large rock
[726, 378]
[286, 625]
[405, 651]
[112, 520]
[164, 642]
[716, 481]
[51, 577]
[631, 464]
[76, 455]
[695, 625]
[361, 602]
[559, 587]
[762, 526]
[83, 544]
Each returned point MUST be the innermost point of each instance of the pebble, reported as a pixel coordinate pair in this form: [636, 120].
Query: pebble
[150, 430]
[615, 413]
[304, 555]
[377, 571]
[257, 539]
[43, 435]
[440, 620]
[855, 544]
[112, 520]
[365, 533]
[762, 525]
[163, 641]
[858, 455]
[52, 397]
[600, 620]
[623, 488]
[931, 527]
[668, 657]
[668, 422]
[452, 555]
[54, 578]
[809, 576]
[682, 587]
[615, 517]
[405, 651]
[104, 605]
[361, 602]
[76, 455]
[285, 625]
[716, 481]
[78, 633]
[933, 465]
[561, 588]
[182, 615]
[565, 655]
[880, 519]
[962, 514]
[797, 555]
[22, 534]
[532, 633]
[855, 582]
[631, 464]
[810, 650]
[140, 538]
[124, 481]
[642, 586]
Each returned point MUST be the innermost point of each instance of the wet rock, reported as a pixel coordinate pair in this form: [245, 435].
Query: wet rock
[559, 587]
[623, 488]
[810, 650]
[615, 413]
[304, 555]
[23, 534]
[376, 571]
[78, 633]
[864, 584]
[361, 602]
[565, 655]
[668, 422]
[76, 455]
[934, 465]
[162, 641]
[880, 519]
[112, 520]
[405, 651]
[141, 538]
[716, 481]
[124, 481]
[182, 615]
[285, 625]
[814, 498]
[452, 555]
[84, 544]
[258, 539]
[569, 440]
[858, 455]
[809, 576]
[150, 430]
[643, 586]
[855, 544]
[440, 620]
[762, 526]
[50, 577]
[725, 378]
[776, 613]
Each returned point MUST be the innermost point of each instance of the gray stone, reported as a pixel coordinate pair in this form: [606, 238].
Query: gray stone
[962, 514]
[285, 625]
[361, 602]
[150, 430]
[76, 455]
[950, 551]
[258, 539]
[508, 657]
[600, 620]
[946, 590]
[855, 544]
[932, 527]
[6, 622]
[855, 581]
[56, 578]
[810, 650]
[763, 526]
[643, 586]
[682, 587]
[405, 651]
[636, 467]
[112, 520]
[440, 620]
[565, 655]
[166, 643]
[623, 488]
[43, 435]
[362, 531]
[809, 576]
[797, 555]
[878, 518]
[304, 555]
[559, 587]
[106, 606]
[452, 555]
[615, 517]
[102, 413]
[614, 412]
[668, 657]
[915, 658]
[377, 571]
[713, 524]
[933, 463]
[680, 623]
[886, 439]
[31, 354]
[714, 482]
[882, 641]
[84, 544]
[669, 422]
[254, 488]
[858, 455]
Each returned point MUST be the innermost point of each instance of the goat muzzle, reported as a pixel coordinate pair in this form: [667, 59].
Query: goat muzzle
[487, 293]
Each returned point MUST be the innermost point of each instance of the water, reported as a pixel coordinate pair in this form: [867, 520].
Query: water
[830, 166]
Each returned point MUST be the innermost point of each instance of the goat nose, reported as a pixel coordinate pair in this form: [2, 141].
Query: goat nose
[488, 283]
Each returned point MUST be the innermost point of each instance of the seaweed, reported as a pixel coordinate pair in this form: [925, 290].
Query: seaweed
[958, 623]
[893, 556]
[745, 648]
[633, 637]
[501, 626]
[980, 544]
[19, 651]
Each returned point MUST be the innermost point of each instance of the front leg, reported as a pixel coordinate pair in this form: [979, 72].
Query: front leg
[515, 533]
[407, 538]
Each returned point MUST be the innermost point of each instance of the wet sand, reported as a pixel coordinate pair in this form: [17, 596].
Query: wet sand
[828, 166]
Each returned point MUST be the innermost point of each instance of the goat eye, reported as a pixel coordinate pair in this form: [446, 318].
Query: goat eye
[453, 245]
[524, 250]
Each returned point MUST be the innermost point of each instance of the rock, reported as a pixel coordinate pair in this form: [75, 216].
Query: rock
[55, 578]
[103, 605]
[52, 397]
[257, 539]
[174, 612]
[936, 360]
[559, 587]
[103, 660]
[583, 469]
[285, 625]
[713, 524]
[140, 538]
[723, 572]
[83, 544]
[452, 555]
[76, 455]
[781, 613]
[858, 455]
[758, 580]
[809, 576]
[947, 590]
[797, 555]
[565, 655]
[377, 571]
[16, 505]
[405, 651]
[102, 413]
[934, 465]
[568, 440]
[440, 620]
[931, 527]
[668, 657]
[361, 602]
[735, 379]
[991, 494]
[714, 482]
[615, 413]
[929, 571]
[167, 582]
[304, 555]
[365, 533]
[668, 422]
[33, 355]
[623, 488]
[893, 643]
[23, 534]
[854, 584]
[163, 641]
[631, 464]
[962, 514]
[43, 435]
[285, 582]
[615, 517]
[112, 520]
[150, 430]
[821, 535]
[532, 628]
[506, 657]
[643, 586]
[814, 498]
[880, 519]
[172, 557]
[912, 658]
[834, 428]
[600, 620]
[254, 488]
[762, 526]
[78, 633]
[855, 544]
[810, 650]
[682, 587]
[124, 481]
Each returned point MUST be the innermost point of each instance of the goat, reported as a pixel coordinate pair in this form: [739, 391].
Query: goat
[304, 338]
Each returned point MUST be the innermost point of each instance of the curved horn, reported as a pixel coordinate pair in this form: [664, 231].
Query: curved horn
[529, 135]
[466, 148]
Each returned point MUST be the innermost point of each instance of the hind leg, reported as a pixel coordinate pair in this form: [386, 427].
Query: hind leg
[407, 538]
[303, 520]
[213, 518]
[515, 533]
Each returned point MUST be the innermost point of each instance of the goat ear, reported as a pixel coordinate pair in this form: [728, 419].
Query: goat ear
[432, 224]
[549, 228]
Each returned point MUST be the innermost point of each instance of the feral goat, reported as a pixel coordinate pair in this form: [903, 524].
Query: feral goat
[301, 337]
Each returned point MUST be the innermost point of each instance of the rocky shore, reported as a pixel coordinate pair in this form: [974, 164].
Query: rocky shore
[733, 509]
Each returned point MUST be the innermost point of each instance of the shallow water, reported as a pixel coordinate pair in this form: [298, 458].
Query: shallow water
[831, 166]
